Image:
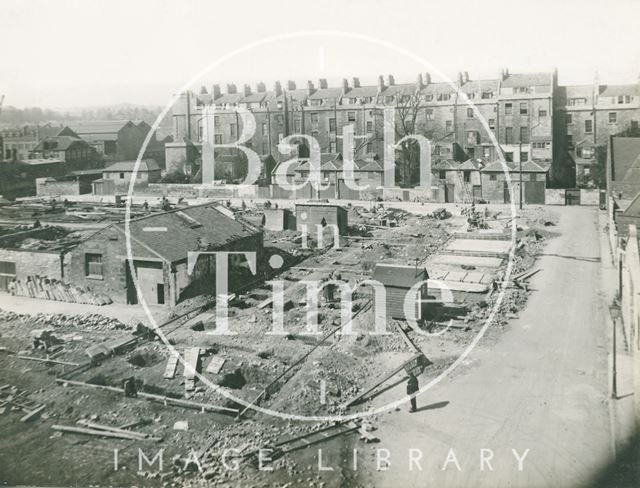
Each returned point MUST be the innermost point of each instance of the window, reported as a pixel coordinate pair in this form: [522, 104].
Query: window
[279, 104]
[93, 265]
[351, 116]
[473, 137]
[332, 125]
[369, 147]
[388, 99]
[314, 134]
[469, 113]
[588, 126]
[233, 130]
[508, 135]
[264, 129]
[613, 117]
[486, 95]
[217, 139]
[429, 98]
[493, 177]
[568, 118]
[524, 109]
[570, 141]
[448, 126]
[296, 124]
[216, 121]
[508, 108]
[524, 156]
[524, 135]
[429, 114]
[542, 112]
[280, 137]
[471, 95]
[369, 126]
[467, 176]
[314, 118]
[122, 176]
[265, 147]
[442, 175]
[577, 101]
[443, 97]
[509, 157]
[492, 123]
[333, 147]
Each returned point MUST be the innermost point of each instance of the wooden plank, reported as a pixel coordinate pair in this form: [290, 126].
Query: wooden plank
[172, 366]
[33, 413]
[215, 365]
[191, 357]
[96, 426]
[53, 361]
[205, 407]
[102, 433]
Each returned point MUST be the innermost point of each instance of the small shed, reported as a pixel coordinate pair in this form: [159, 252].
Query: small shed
[319, 213]
[397, 280]
[278, 219]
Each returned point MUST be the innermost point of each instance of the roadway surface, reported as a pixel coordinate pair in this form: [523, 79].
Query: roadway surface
[542, 387]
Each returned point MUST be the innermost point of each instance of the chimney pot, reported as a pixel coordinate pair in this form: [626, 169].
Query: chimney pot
[310, 87]
[380, 83]
[391, 80]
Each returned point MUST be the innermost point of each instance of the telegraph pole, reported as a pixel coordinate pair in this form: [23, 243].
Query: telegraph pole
[520, 159]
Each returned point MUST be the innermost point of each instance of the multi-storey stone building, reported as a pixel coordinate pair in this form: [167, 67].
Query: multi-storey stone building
[529, 116]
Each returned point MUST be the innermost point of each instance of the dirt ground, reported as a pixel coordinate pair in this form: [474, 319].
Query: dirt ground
[33, 453]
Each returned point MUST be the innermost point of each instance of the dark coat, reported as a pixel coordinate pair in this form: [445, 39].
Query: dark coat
[412, 385]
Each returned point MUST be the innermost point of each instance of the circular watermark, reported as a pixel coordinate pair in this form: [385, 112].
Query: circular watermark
[278, 263]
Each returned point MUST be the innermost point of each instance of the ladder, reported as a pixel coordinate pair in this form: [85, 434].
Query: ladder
[468, 197]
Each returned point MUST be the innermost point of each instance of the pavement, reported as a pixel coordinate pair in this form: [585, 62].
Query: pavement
[543, 387]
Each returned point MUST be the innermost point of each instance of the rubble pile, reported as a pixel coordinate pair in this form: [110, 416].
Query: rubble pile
[81, 321]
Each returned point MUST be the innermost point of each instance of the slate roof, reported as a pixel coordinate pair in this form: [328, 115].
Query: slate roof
[625, 157]
[618, 90]
[63, 143]
[327, 93]
[633, 210]
[99, 126]
[182, 236]
[527, 79]
[527, 167]
[128, 166]
[399, 276]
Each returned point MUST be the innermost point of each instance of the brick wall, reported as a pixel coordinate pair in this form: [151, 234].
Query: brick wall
[34, 263]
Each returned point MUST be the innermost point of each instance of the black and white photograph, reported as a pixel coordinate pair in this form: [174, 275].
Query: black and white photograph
[350, 244]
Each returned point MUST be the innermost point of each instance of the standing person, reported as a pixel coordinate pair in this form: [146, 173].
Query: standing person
[412, 387]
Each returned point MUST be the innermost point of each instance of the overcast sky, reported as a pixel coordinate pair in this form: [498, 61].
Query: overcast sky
[71, 53]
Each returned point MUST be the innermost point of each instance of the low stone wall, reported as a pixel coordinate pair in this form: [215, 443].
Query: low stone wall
[47, 187]
[589, 197]
[554, 196]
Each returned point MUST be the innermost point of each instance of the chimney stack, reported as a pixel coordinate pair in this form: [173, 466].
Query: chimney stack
[203, 90]
[466, 77]
[356, 82]
[419, 82]
[291, 85]
[460, 79]
[215, 91]
[391, 80]
[246, 90]
[380, 84]
[427, 79]
[277, 88]
[261, 88]
[345, 86]
[232, 89]
[505, 73]
[322, 83]
[310, 88]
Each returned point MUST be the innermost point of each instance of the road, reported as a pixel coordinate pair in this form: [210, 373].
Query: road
[542, 387]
